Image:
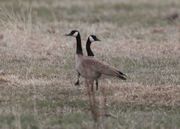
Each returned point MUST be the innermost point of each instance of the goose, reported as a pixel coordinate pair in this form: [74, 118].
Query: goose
[91, 38]
[90, 68]
[79, 51]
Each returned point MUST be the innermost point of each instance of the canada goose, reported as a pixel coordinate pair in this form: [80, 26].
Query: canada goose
[91, 38]
[90, 68]
[79, 51]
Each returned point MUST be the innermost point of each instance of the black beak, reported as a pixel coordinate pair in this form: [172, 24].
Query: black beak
[67, 35]
[98, 39]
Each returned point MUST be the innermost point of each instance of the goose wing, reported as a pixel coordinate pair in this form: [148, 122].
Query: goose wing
[100, 67]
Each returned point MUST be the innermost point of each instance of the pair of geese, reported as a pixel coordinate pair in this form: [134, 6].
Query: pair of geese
[87, 66]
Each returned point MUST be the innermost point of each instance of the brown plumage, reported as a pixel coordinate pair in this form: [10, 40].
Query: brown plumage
[92, 69]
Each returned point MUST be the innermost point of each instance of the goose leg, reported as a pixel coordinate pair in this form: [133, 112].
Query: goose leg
[77, 82]
[96, 84]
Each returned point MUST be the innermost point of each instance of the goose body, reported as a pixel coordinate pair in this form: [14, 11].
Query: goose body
[89, 67]
[85, 68]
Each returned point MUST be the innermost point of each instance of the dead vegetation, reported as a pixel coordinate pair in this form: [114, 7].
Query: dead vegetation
[36, 64]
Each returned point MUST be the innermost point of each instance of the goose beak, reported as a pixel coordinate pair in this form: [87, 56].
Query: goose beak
[98, 39]
[67, 35]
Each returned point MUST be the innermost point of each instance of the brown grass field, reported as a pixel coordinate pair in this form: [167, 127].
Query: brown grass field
[37, 73]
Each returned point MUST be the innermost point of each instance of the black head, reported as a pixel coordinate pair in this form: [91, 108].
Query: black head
[73, 33]
[93, 38]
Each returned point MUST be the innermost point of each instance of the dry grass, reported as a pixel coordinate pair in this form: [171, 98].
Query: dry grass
[37, 64]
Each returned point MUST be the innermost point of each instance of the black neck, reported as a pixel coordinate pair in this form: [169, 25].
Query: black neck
[79, 46]
[88, 48]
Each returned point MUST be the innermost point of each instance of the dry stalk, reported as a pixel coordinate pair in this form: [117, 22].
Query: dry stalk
[92, 101]
[104, 107]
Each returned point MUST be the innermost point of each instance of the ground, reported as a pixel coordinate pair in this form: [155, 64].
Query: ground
[37, 73]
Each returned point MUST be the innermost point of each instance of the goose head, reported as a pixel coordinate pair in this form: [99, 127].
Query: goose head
[93, 38]
[73, 33]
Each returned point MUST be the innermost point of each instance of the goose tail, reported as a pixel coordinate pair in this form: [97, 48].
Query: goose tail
[122, 75]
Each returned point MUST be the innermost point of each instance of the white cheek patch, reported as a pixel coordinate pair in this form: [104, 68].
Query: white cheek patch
[75, 34]
[91, 39]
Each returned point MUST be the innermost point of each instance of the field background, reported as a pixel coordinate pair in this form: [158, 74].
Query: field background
[37, 63]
